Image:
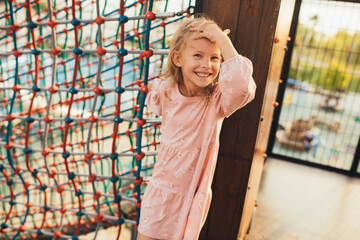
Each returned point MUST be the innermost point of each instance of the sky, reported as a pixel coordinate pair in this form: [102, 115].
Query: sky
[332, 15]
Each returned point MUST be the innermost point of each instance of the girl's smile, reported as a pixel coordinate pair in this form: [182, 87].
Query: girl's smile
[199, 61]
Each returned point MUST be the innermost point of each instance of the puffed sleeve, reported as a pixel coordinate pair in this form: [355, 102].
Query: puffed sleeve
[236, 85]
[153, 99]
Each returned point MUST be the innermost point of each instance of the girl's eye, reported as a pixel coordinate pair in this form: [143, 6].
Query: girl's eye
[215, 58]
[197, 55]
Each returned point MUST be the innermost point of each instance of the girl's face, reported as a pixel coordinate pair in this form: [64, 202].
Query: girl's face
[199, 61]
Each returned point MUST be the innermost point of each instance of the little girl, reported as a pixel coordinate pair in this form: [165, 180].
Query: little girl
[193, 101]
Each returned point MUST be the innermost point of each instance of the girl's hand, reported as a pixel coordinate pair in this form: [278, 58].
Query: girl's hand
[210, 31]
[214, 34]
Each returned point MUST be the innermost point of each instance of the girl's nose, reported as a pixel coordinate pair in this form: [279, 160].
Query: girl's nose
[207, 63]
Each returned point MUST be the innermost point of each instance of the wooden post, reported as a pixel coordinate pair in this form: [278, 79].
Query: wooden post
[259, 30]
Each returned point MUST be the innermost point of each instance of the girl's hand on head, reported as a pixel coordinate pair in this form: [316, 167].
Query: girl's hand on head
[209, 31]
[214, 34]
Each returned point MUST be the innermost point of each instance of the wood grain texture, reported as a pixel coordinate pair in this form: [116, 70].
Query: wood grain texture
[253, 25]
[276, 62]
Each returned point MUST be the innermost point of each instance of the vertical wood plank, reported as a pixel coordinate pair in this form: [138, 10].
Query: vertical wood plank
[253, 25]
[272, 83]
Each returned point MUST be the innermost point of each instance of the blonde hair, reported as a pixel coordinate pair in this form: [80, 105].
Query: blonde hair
[177, 44]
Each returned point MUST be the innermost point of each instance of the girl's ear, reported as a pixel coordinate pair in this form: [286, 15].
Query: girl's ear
[176, 58]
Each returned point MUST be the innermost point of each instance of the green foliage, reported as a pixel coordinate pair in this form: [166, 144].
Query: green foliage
[42, 6]
[335, 78]
[331, 63]
[305, 35]
[338, 77]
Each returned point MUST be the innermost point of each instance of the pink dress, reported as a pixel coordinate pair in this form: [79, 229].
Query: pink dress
[177, 199]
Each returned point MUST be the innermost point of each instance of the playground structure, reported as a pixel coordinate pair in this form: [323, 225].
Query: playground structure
[77, 142]
[294, 135]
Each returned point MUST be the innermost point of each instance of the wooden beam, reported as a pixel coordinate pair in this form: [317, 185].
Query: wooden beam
[253, 27]
[272, 83]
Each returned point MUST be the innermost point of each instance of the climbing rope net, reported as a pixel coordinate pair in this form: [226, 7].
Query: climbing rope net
[77, 143]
